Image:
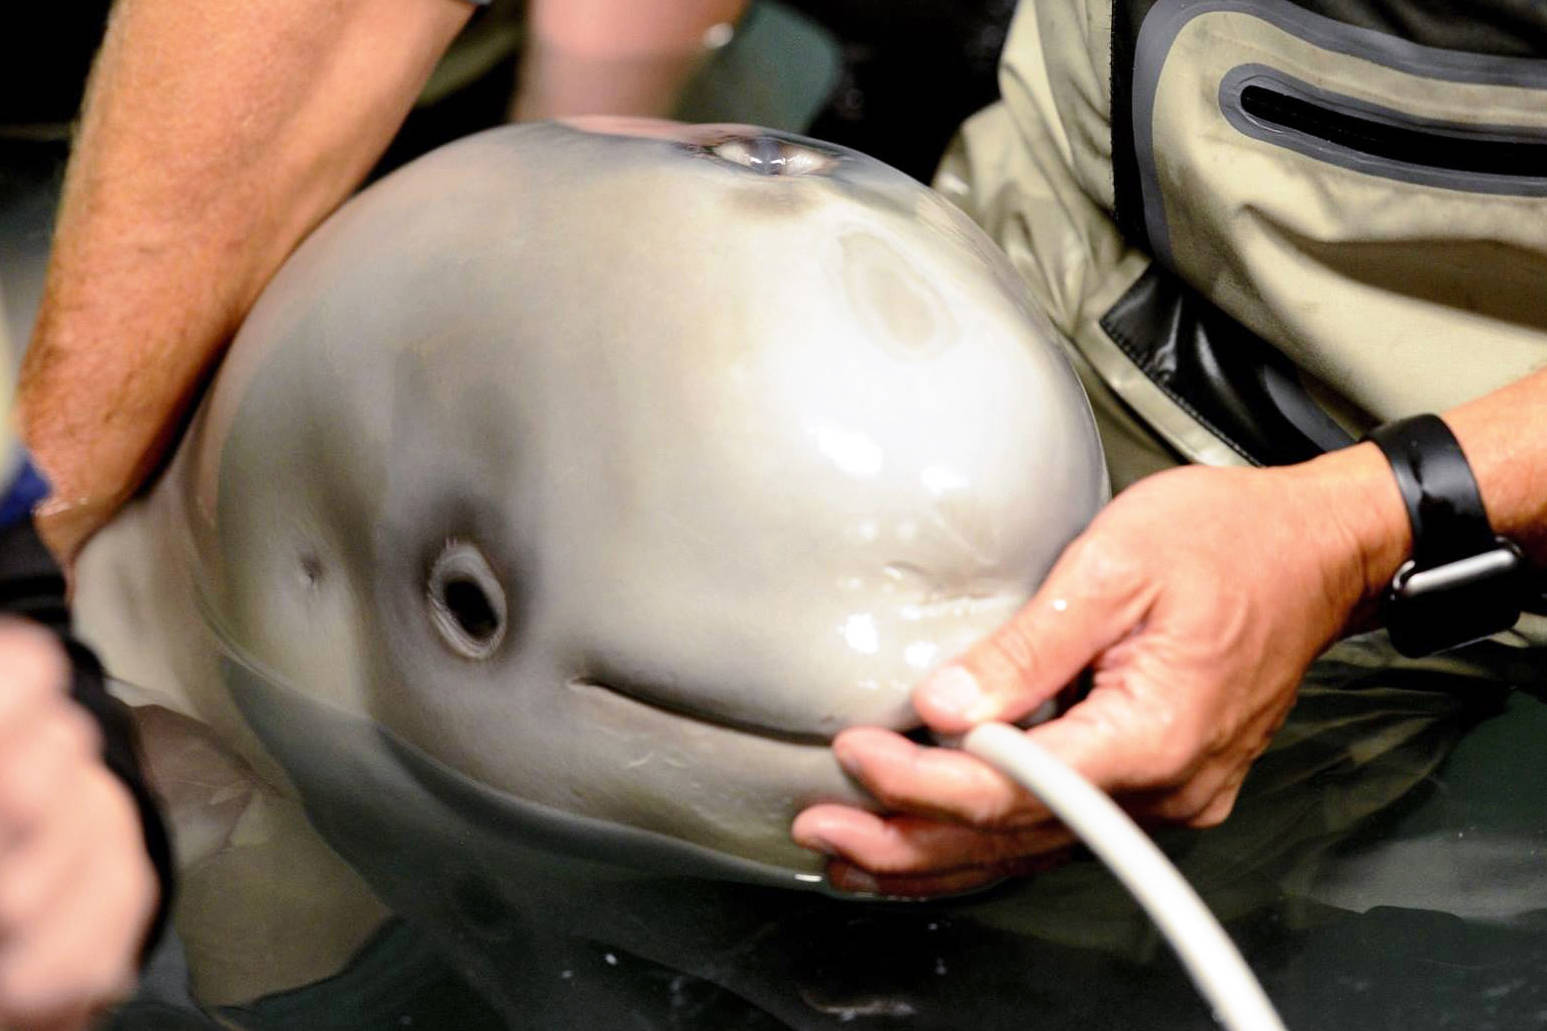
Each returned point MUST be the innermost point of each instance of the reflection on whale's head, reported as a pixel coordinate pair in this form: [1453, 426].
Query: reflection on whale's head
[615, 467]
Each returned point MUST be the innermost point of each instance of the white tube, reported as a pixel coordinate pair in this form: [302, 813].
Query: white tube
[1222, 976]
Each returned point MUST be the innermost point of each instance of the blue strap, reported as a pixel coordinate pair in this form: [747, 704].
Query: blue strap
[26, 489]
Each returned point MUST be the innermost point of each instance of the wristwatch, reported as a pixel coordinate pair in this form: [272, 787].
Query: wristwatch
[1464, 581]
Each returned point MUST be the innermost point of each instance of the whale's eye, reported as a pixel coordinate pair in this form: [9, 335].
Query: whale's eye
[466, 602]
[770, 155]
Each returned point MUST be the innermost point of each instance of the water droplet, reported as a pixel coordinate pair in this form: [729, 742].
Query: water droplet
[921, 654]
[850, 450]
[860, 633]
[938, 479]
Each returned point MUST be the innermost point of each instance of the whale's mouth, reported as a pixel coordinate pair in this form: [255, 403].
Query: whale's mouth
[308, 738]
[651, 700]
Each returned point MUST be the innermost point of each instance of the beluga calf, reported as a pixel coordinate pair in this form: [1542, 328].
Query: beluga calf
[561, 498]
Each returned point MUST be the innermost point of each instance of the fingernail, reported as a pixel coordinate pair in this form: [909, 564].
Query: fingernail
[1041, 714]
[857, 882]
[954, 691]
[817, 844]
[846, 758]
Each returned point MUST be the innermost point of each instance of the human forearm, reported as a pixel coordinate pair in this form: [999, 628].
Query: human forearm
[214, 136]
[1504, 438]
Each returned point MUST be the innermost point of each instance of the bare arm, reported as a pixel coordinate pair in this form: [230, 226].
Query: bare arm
[1198, 597]
[214, 136]
[1505, 440]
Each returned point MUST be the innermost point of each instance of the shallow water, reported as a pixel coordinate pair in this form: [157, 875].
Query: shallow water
[1381, 871]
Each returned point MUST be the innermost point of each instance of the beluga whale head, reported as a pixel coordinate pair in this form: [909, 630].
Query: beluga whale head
[581, 481]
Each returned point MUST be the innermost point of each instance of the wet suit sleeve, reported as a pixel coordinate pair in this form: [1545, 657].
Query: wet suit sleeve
[31, 586]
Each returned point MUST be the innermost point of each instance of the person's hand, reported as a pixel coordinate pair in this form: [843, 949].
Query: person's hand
[76, 887]
[64, 528]
[1197, 598]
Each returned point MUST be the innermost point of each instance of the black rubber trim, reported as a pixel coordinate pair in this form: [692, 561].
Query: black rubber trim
[1498, 28]
[1451, 150]
[1236, 385]
[1488, 28]
[1127, 193]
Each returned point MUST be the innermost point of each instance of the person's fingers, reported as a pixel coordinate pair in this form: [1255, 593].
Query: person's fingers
[39, 750]
[1204, 801]
[914, 845]
[33, 669]
[70, 967]
[1093, 597]
[1217, 811]
[1121, 745]
[37, 872]
[940, 782]
[847, 877]
[76, 1019]
[83, 953]
[1108, 738]
[65, 526]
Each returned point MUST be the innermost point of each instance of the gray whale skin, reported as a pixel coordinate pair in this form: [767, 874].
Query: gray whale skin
[560, 499]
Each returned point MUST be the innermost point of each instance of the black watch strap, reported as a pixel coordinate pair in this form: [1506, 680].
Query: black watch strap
[1463, 581]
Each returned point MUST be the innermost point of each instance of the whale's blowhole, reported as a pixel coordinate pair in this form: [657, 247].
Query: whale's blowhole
[769, 155]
